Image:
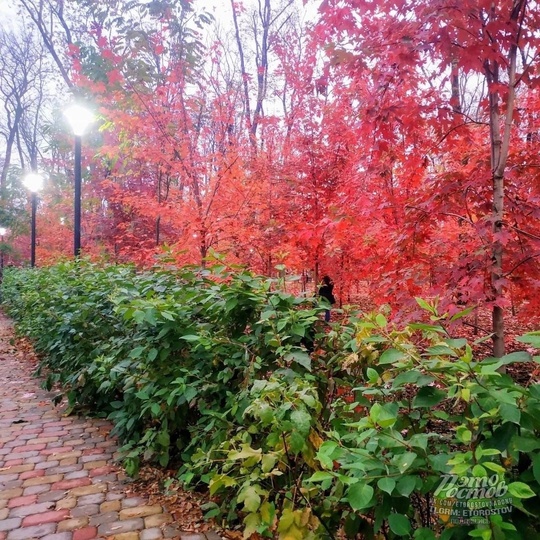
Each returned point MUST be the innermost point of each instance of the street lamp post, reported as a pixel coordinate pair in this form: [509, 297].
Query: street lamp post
[33, 182]
[3, 232]
[79, 119]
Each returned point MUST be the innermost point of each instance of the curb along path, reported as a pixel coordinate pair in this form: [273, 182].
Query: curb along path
[57, 479]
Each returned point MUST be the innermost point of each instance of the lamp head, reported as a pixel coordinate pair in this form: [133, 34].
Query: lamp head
[33, 182]
[79, 118]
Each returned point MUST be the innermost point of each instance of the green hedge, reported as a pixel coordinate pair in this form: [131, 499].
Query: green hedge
[297, 428]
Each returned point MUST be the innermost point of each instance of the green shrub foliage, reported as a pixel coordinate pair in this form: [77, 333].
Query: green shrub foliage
[298, 429]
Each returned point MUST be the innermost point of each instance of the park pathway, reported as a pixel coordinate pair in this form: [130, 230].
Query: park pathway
[57, 477]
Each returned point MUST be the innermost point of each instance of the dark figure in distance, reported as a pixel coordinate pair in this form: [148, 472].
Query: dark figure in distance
[327, 291]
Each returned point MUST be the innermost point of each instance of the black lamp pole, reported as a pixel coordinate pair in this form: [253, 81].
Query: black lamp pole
[33, 241]
[77, 201]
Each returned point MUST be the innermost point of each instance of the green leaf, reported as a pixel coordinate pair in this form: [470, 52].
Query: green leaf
[190, 337]
[300, 357]
[250, 498]
[424, 534]
[399, 524]
[428, 327]
[532, 338]
[320, 476]
[387, 484]
[520, 490]
[372, 375]
[384, 415]
[428, 396]
[483, 533]
[510, 413]
[251, 522]
[137, 352]
[391, 356]
[424, 305]
[461, 314]
[406, 485]
[403, 461]
[301, 420]
[297, 442]
[441, 350]
[515, 357]
[360, 495]
[268, 462]
[526, 444]
[456, 343]
[495, 467]
[245, 453]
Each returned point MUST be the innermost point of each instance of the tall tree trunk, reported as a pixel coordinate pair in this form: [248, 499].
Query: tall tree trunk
[500, 145]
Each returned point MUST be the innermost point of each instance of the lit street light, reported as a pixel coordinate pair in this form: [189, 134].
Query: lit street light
[79, 119]
[33, 182]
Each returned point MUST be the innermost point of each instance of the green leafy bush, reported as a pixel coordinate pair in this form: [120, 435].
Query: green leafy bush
[297, 429]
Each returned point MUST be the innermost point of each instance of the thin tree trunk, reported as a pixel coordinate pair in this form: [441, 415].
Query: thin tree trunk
[499, 156]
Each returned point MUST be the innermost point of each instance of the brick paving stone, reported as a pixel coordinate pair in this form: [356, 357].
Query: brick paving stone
[10, 493]
[31, 474]
[67, 502]
[40, 480]
[105, 478]
[52, 516]
[75, 474]
[140, 511]
[157, 520]
[88, 533]
[10, 524]
[88, 490]
[94, 498]
[73, 523]
[117, 527]
[70, 484]
[17, 469]
[127, 536]
[27, 533]
[12, 462]
[131, 502]
[52, 496]
[58, 536]
[151, 534]
[68, 461]
[110, 506]
[88, 510]
[66, 469]
[102, 518]
[30, 509]
[98, 464]
[6, 478]
[47, 464]
[34, 490]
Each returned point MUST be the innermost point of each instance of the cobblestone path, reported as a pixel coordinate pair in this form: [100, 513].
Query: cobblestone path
[57, 478]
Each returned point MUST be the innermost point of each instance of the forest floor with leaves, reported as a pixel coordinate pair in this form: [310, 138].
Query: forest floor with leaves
[161, 487]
